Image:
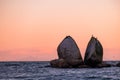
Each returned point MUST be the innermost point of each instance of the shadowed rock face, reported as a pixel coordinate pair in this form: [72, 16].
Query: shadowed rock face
[68, 49]
[94, 52]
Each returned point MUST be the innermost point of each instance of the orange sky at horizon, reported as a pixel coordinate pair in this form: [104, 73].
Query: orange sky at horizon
[31, 30]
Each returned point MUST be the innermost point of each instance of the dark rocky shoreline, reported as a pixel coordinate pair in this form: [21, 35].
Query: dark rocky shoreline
[106, 65]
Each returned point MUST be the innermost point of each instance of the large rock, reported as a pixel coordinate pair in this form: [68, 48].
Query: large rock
[68, 53]
[94, 53]
[68, 49]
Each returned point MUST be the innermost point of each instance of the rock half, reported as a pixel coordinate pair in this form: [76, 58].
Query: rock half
[68, 49]
[68, 53]
[94, 53]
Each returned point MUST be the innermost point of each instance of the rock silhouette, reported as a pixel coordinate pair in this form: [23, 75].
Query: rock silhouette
[68, 53]
[118, 64]
[94, 53]
[68, 49]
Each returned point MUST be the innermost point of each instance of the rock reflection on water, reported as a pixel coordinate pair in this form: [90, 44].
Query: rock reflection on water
[38, 71]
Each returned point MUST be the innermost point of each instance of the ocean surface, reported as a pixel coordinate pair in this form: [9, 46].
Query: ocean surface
[42, 71]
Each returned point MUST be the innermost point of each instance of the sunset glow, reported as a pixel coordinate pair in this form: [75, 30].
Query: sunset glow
[31, 30]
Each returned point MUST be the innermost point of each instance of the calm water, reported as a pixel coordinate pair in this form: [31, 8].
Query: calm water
[39, 71]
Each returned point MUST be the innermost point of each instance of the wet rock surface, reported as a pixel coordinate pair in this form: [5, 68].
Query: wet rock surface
[60, 63]
[103, 65]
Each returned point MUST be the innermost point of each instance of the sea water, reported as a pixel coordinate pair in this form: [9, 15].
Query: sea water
[41, 71]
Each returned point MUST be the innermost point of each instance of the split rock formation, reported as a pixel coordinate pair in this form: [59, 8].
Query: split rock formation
[69, 55]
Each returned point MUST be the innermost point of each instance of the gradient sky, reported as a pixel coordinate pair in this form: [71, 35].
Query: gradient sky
[31, 30]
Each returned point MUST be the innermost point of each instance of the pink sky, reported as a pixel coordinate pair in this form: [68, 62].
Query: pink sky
[31, 30]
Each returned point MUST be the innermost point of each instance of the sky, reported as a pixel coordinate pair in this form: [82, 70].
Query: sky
[31, 30]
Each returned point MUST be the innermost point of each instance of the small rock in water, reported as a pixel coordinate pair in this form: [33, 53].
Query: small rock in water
[103, 65]
[47, 66]
[94, 53]
[118, 65]
[59, 63]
